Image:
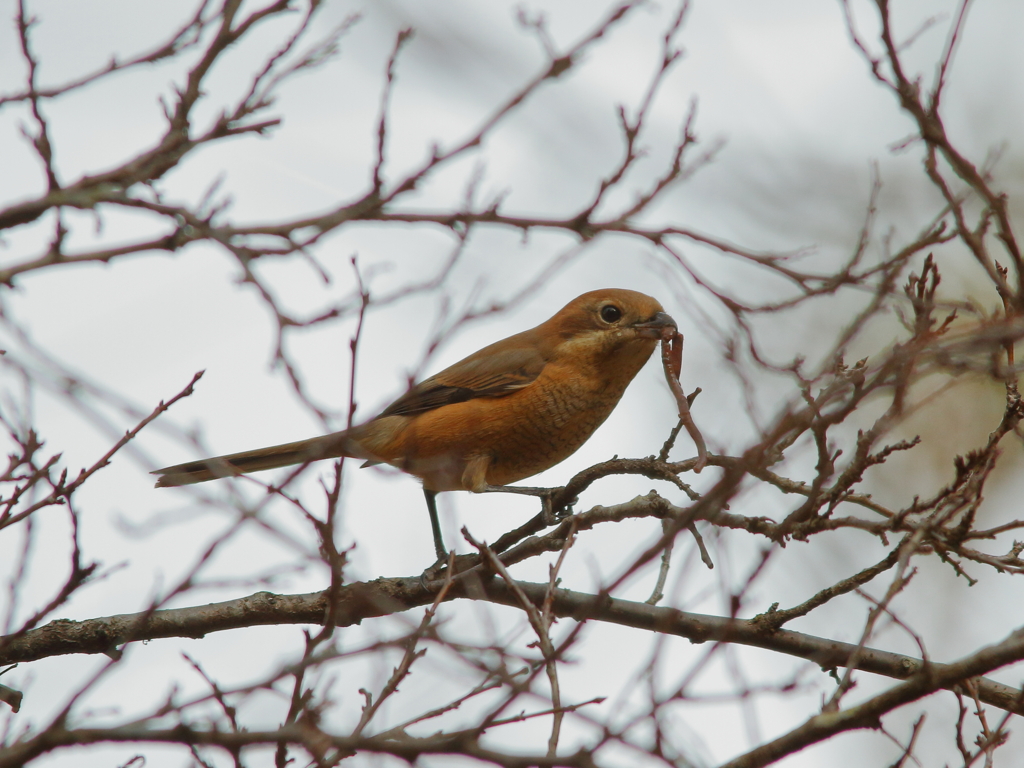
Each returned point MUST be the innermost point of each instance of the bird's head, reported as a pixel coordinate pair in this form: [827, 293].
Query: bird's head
[610, 326]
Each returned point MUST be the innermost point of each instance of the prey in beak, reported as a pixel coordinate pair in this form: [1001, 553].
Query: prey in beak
[655, 327]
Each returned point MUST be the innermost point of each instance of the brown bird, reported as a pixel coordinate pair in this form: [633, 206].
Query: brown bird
[506, 412]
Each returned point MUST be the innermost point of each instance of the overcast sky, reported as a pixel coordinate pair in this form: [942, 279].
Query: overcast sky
[800, 123]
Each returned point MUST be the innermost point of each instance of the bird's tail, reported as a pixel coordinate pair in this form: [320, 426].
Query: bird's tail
[304, 451]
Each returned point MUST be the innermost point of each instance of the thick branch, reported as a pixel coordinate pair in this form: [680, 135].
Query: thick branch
[381, 597]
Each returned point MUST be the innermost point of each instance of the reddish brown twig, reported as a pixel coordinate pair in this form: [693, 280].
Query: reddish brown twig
[672, 360]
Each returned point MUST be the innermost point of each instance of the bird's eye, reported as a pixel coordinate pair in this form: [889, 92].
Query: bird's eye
[610, 313]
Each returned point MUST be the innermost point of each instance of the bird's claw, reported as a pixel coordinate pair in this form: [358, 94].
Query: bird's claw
[552, 514]
[438, 571]
[566, 509]
[549, 512]
[433, 572]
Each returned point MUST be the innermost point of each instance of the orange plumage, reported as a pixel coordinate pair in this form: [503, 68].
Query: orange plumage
[506, 412]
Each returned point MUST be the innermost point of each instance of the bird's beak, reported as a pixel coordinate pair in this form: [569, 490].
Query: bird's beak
[653, 327]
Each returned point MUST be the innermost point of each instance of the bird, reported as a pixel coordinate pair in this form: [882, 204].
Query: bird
[508, 411]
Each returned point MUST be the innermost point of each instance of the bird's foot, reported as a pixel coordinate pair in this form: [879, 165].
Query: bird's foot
[551, 512]
[433, 572]
[437, 571]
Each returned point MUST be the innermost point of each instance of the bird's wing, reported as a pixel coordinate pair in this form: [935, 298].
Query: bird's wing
[488, 373]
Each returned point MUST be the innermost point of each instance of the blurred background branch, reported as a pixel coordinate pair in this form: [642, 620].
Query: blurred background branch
[842, 253]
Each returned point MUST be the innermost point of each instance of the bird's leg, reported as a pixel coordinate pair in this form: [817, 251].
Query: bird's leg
[435, 526]
[546, 495]
[458, 562]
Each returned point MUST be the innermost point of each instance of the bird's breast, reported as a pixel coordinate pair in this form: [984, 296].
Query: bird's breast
[501, 440]
[519, 435]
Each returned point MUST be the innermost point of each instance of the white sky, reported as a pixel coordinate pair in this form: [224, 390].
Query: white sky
[802, 121]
